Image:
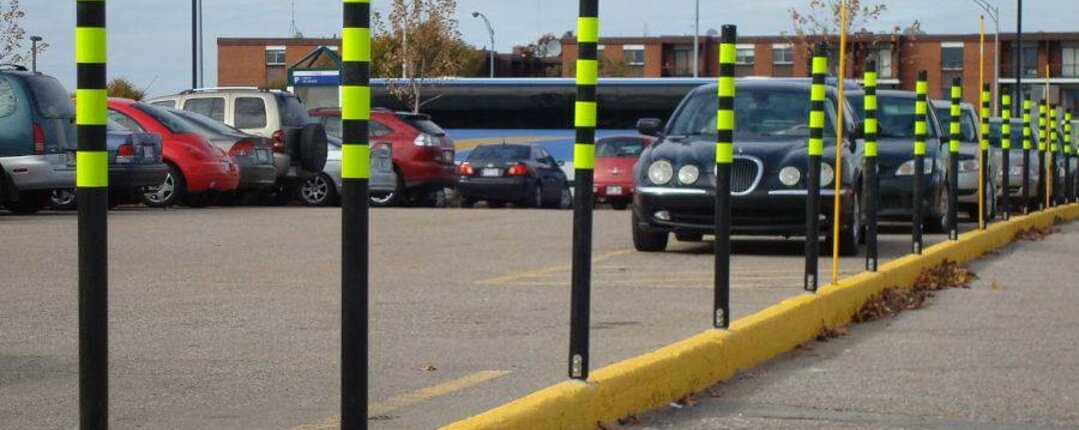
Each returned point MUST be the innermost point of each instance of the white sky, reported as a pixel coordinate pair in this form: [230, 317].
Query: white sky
[149, 40]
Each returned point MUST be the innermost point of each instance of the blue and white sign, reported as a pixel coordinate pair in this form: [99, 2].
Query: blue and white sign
[316, 77]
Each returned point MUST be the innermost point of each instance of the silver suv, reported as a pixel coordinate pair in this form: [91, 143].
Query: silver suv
[299, 145]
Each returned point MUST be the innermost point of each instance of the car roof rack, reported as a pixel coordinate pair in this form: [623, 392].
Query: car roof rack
[212, 89]
[15, 67]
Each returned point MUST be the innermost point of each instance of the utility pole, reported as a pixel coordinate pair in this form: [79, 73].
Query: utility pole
[194, 43]
[697, 41]
[490, 32]
[33, 52]
[1019, 50]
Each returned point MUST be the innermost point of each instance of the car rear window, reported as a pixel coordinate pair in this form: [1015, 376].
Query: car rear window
[423, 124]
[165, 103]
[499, 154]
[171, 122]
[250, 112]
[213, 107]
[50, 97]
[8, 100]
[293, 113]
[622, 147]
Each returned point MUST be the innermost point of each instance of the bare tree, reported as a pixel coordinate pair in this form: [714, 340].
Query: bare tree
[420, 40]
[820, 20]
[12, 35]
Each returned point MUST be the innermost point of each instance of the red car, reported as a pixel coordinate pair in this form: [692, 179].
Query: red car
[196, 168]
[615, 158]
[422, 154]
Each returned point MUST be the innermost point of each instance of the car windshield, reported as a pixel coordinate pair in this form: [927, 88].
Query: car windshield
[1016, 134]
[204, 122]
[895, 116]
[293, 114]
[499, 154]
[424, 124]
[758, 112]
[967, 131]
[619, 147]
[171, 122]
[50, 98]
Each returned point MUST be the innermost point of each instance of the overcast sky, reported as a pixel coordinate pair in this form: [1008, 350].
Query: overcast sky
[149, 40]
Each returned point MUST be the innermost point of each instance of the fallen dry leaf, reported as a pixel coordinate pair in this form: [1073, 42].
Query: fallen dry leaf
[995, 286]
[1035, 234]
[430, 369]
[895, 300]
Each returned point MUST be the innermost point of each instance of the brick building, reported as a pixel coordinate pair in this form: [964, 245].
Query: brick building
[899, 59]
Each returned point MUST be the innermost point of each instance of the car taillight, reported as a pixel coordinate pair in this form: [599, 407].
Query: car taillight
[465, 169]
[125, 154]
[39, 140]
[242, 148]
[517, 170]
[425, 139]
[277, 142]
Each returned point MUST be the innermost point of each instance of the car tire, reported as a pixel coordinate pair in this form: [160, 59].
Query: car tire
[431, 199]
[392, 198]
[536, 200]
[172, 190]
[199, 201]
[496, 204]
[63, 199]
[29, 203]
[318, 190]
[468, 203]
[689, 237]
[648, 241]
[620, 205]
[313, 147]
[851, 237]
[565, 200]
[939, 222]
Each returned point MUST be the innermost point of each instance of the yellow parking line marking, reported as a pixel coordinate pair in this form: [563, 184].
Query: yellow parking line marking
[409, 399]
[508, 279]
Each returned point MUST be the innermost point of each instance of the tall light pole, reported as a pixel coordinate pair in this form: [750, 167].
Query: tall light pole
[994, 13]
[33, 52]
[697, 41]
[491, 32]
[194, 43]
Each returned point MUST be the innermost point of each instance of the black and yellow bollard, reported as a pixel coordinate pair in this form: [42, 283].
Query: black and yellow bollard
[1005, 154]
[721, 305]
[1069, 183]
[983, 161]
[1025, 186]
[584, 160]
[1050, 159]
[953, 158]
[814, 151]
[355, 239]
[872, 174]
[921, 113]
[1043, 141]
[92, 181]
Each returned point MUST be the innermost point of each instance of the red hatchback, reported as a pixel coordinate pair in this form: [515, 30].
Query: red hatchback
[196, 168]
[422, 154]
[615, 158]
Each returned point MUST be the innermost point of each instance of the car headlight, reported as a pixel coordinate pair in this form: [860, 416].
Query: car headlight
[790, 176]
[1015, 170]
[907, 169]
[660, 172]
[689, 174]
[968, 166]
[827, 174]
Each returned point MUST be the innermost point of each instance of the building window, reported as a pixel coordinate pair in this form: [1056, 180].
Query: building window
[275, 55]
[1070, 61]
[1030, 61]
[683, 60]
[884, 62]
[782, 53]
[743, 54]
[633, 54]
[951, 55]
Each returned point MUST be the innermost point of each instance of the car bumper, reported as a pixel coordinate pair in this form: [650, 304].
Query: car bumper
[613, 192]
[35, 172]
[507, 189]
[133, 177]
[429, 175]
[760, 213]
[257, 177]
[213, 176]
[897, 197]
[381, 181]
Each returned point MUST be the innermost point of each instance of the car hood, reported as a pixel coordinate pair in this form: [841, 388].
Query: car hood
[614, 170]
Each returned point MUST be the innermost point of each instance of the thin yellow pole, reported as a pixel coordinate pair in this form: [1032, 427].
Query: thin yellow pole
[839, 142]
[1048, 154]
[981, 137]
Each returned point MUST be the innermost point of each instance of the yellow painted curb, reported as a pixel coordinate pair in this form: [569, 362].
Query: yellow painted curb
[691, 365]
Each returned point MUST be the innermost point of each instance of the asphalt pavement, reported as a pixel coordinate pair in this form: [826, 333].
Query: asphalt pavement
[1001, 355]
[228, 318]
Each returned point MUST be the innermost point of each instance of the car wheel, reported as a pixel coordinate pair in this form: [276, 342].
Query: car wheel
[62, 199]
[318, 190]
[29, 203]
[495, 204]
[392, 198]
[168, 193]
[689, 237]
[433, 199]
[468, 203]
[648, 241]
[852, 236]
[200, 200]
[537, 197]
[620, 205]
[565, 199]
[939, 223]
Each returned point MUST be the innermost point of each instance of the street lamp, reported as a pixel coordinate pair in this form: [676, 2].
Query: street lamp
[697, 42]
[33, 52]
[491, 32]
[994, 13]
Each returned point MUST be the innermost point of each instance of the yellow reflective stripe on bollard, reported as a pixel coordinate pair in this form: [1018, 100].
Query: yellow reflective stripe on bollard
[355, 103]
[728, 53]
[584, 114]
[587, 30]
[355, 161]
[91, 169]
[360, 49]
[870, 79]
[725, 119]
[725, 88]
[587, 72]
[91, 107]
[816, 119]
[584, 156]
[724, 153]
[90, 45]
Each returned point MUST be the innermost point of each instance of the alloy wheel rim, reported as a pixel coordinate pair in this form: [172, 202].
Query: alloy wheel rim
[63, 197]
[163, 191]
[566, 198]
[315, 190]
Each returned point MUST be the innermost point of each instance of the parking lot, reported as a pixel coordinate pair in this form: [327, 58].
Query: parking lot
[229, 317]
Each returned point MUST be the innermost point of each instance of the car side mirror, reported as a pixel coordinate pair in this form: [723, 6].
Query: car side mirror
[561, 163]
[649, 126]
[859, 130]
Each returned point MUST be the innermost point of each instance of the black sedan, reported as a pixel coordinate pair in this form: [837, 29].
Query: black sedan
[895, 160]
[525, 175]
[675, 178]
